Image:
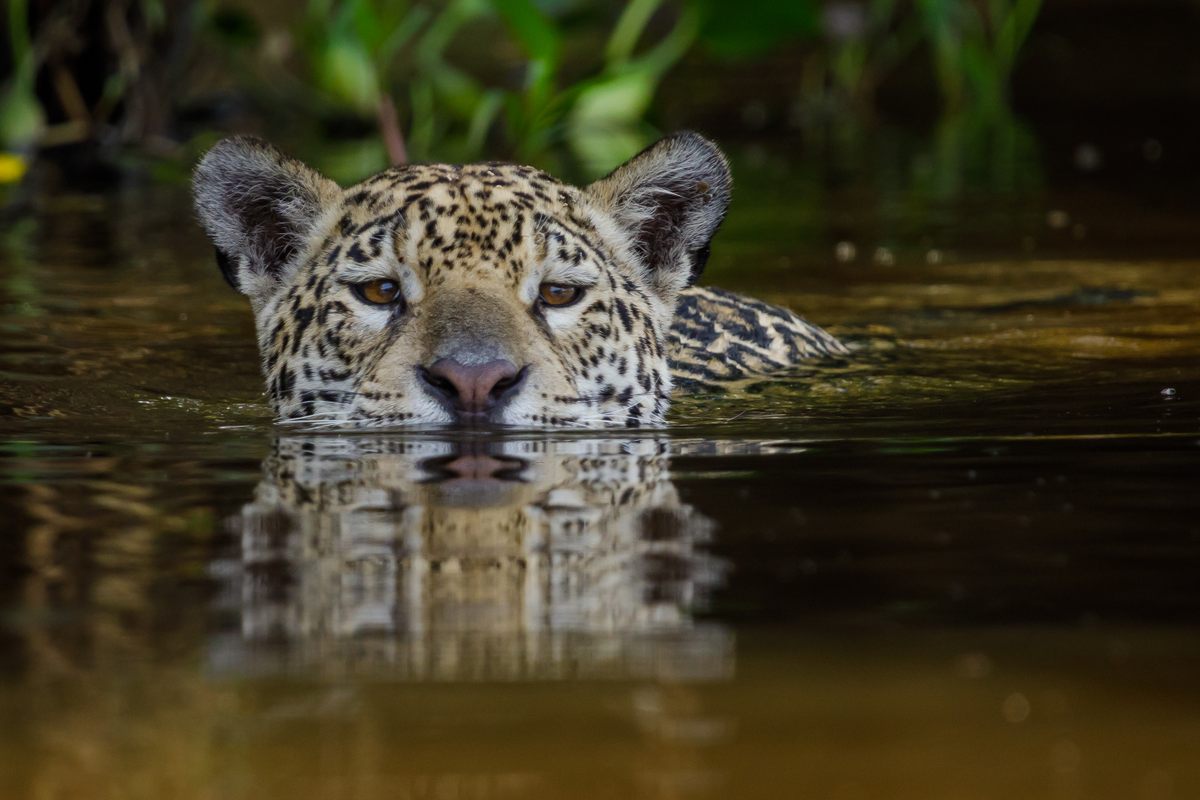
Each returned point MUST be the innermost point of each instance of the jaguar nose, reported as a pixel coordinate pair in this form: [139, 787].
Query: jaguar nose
[472, 388]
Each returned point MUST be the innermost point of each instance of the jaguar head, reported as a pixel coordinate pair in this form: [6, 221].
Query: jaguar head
[487, 293]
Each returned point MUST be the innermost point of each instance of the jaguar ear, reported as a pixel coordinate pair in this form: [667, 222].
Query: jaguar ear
[258, 207]
[670, 199]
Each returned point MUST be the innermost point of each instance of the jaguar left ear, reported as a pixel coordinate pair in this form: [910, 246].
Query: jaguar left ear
[258, 207]
[670, 199]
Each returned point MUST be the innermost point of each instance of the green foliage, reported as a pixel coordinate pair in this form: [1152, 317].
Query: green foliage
[372, 58]
[131, 48]
[566, 84]
[861, 50]
[350, 47]
[605, 123]
[975, 47]
[750, 28]
[21, 117]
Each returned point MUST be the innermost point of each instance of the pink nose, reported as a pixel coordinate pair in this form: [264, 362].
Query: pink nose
[475, 388]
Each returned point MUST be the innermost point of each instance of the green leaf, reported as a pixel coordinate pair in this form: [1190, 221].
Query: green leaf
[533, 31]
[352, 160]
[662, 56]
[458, 92]
[600, 150]
[423, 124]
[752, 27]
[482, 120]
[629, 28]
[1014, 30]
[621, 98]
[21, 117]
[400, 34]
[604, 125]
[347, 73]
[18, 33]
[367, 28]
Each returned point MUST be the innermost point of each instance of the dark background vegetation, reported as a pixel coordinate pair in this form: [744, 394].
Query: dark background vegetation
[1006, 90]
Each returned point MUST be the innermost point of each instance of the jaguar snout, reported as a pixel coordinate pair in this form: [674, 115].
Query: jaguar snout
[472, 391]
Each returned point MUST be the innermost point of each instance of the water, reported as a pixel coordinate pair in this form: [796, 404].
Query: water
[960, 565]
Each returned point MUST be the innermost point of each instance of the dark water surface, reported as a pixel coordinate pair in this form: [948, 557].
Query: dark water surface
[962, 565]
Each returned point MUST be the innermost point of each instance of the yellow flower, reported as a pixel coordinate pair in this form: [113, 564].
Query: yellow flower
[12, 167]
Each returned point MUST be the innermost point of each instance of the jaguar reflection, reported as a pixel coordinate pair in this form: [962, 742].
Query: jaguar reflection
[452, 559]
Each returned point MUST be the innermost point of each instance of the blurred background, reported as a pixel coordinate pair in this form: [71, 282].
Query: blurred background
[947, 94]
[980, 126]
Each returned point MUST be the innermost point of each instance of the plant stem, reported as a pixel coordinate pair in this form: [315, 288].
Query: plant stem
[389, 129]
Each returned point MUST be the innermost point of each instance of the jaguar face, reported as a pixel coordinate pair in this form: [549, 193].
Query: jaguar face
[486, 293]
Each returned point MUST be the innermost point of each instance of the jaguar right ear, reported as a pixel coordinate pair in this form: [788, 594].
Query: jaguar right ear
[670, 199]
[258, 207]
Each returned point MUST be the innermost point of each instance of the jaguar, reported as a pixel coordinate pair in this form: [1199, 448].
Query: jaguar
[490, 293]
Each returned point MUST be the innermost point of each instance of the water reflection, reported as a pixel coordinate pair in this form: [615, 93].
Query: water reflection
[471, 559]
[358, 629]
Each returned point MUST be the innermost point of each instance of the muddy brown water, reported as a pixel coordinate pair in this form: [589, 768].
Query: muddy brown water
[962, 564]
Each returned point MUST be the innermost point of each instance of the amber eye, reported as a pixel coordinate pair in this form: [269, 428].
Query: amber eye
[381, 292]
[558, 295]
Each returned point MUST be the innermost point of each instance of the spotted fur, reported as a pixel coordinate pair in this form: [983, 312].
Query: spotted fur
[470, 246]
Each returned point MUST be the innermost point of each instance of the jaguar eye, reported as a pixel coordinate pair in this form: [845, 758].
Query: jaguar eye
[558, 295]
[381, 292]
